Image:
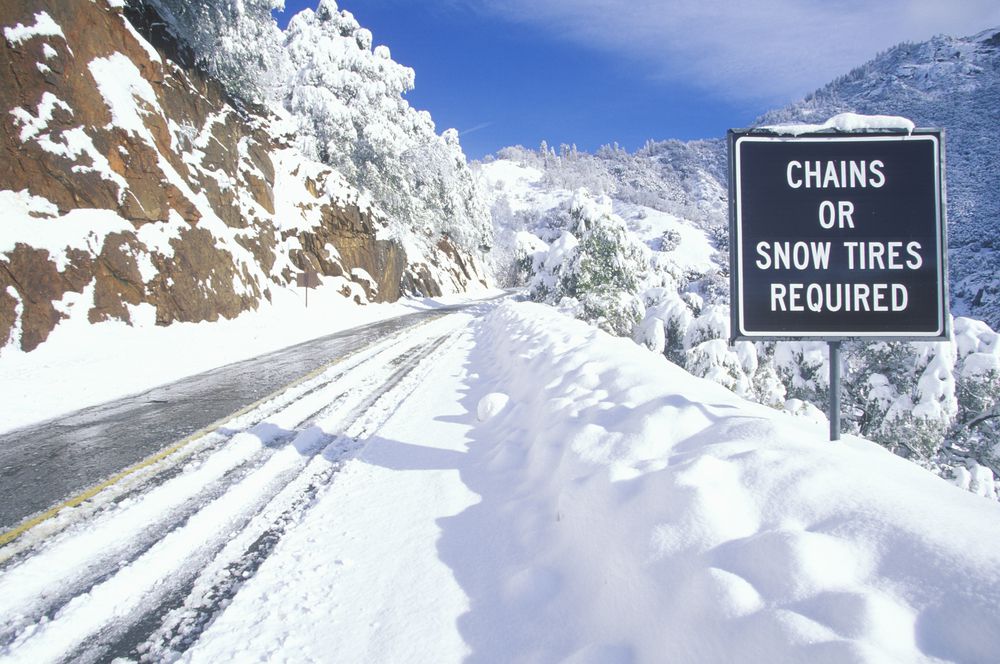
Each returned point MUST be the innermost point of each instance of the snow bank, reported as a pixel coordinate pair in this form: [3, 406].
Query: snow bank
[121, 359]
[647, 515]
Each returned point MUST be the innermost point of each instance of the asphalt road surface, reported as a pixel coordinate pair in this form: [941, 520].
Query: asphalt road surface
[46, 463]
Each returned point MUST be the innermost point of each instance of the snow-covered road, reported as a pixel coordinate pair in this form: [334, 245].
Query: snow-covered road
[513, 488]
[45, 463]
[150, 561]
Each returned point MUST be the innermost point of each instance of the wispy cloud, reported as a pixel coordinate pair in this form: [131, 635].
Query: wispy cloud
[470, 130]
[760, 50]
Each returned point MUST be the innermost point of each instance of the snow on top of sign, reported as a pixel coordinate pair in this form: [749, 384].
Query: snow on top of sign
[846, 122]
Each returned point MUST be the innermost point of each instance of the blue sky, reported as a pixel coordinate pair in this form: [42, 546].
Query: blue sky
[591, 72]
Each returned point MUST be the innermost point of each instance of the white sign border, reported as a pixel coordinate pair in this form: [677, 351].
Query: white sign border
[940, 238]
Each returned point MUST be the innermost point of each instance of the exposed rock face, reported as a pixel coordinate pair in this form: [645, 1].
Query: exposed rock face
[133, 182]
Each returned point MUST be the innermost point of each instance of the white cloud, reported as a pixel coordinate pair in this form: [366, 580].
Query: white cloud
[760, 50]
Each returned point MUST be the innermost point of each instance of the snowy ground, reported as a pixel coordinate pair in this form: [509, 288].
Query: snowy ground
[517, 488]
[82, 364]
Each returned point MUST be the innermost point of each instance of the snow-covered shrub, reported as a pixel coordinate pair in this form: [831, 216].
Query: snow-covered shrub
[803, 368]
[977, 431]
[709, 355]
[765, 382]
[715, 360]
[597, 264]
[651, 333]
[901, 394]
[550, 281]
[976, 478]
[878, 377]
[666, 310]
[669, 241]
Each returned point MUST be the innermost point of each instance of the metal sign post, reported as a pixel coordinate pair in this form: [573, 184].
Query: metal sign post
[837, 235]
[834, 390]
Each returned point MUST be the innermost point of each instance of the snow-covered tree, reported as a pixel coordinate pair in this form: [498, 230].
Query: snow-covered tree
[595, 268]
[347, 99]
[235, 41]
[976, 433]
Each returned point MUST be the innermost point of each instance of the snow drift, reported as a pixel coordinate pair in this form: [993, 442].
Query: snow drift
[647, 515]
[615, 509]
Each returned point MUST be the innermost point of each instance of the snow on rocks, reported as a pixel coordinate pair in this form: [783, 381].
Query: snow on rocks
[35, 221]
[122, 85]
[44, 26]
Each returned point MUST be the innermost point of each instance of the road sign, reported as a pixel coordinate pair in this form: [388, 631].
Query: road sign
[307, 279]
[837, 235]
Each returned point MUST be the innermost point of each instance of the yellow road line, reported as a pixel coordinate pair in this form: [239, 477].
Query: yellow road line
[17, 531]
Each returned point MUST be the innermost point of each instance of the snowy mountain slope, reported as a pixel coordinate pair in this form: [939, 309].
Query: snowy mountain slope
[684, 179]
[526, 200]
[952, 83]
[136, 190]
[931, 402]
[560, 496]
[947, 82]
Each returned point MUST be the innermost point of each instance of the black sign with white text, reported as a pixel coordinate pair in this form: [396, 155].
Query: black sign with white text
[837, 235]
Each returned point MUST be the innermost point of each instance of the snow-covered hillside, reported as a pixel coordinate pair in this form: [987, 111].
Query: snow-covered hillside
[952, 83]
[662, 279]
[138, 188]
[934, 403]
[532, 193]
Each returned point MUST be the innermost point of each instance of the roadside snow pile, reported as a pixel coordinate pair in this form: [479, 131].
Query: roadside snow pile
[648, 515]
[121, 359]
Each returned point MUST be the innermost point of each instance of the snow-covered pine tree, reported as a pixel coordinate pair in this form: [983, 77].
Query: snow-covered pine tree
[595, 269]
[237, 42]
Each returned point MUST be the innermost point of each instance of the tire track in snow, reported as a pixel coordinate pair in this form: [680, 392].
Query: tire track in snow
[160, 466]
[116, 536]
[95, 614]
[215, 587]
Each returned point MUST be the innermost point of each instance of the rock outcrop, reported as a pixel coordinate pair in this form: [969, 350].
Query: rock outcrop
[129, 183]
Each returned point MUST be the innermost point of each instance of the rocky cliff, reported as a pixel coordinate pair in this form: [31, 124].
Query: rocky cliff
[132, 186]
